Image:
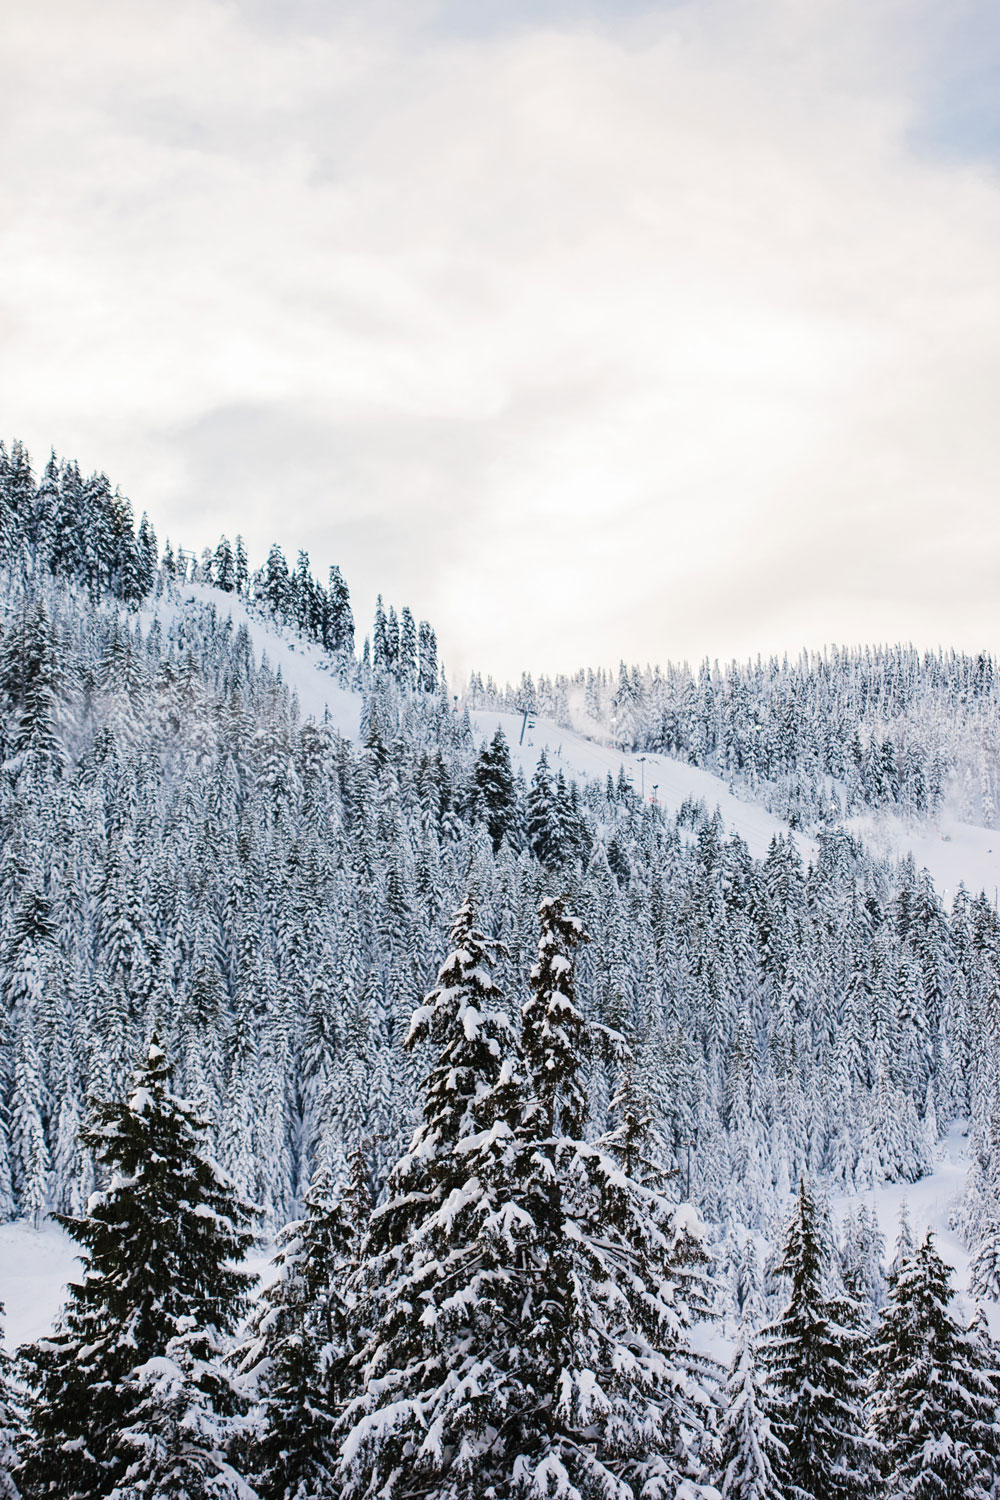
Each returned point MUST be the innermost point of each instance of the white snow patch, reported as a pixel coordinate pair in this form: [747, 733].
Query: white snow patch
[931, 1202]
[656, 777]
[35, 1265]
[955, 853]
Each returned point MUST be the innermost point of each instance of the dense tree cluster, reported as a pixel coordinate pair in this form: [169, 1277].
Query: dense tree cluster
[514, 1318]
[184, 855]
[817, 739]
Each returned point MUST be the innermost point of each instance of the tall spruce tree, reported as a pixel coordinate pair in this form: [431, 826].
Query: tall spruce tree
[816, 1402]
[752, 1454]
[613, 1398]
[427, 1418]
[531, 1341]
[298, 1351]
[936, 1390]
[493, 784]
[184, 1421]
[161, 1247]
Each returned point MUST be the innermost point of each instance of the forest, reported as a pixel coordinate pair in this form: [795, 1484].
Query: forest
[526, 1084]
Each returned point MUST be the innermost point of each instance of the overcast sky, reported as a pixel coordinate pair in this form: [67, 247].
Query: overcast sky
[587, 330]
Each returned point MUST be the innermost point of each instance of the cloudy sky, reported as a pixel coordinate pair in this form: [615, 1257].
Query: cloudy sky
[589, 330]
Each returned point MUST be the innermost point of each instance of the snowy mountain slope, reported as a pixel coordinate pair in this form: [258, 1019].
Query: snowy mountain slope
[304, 666]
[930, 1204]
[673, 780]
[953, 852]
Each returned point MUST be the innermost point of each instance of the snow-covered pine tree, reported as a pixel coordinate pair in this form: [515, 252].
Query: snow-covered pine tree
[161, 1251]
[934, 1412]
[185, 1414]
[463, 1020]
[815, 1401]
[9, 1428]
[296, 1356]
[752, 1455]
[611, 1400]
[426, 1418]
[494, 791]
[984, 1279]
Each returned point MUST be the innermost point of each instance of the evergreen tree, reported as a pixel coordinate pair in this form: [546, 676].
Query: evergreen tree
[816, 1404]
[936, 1390]
[183, 1405]
[430, 1268]
[9, 1429]
[532, 1342]
[493, 782]
[752, 1455]
[298, 1350]
[616, 1400]
[544, 825]
[161, 1245]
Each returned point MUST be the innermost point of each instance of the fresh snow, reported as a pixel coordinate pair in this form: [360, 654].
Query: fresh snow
[35, 1265]
[674, 780]
[931, 1203]
[955, 853]
[305, 667]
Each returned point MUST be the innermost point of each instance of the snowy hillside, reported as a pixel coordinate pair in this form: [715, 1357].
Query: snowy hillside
[954, 852]
[305, 667]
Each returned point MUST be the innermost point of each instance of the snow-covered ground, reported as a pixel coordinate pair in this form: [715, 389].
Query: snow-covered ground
[953, 852]
[930, 1204]
[35, 1265]
[670, 781]
[304, 667]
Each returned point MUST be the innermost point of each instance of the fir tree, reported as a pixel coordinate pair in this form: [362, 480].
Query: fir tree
[184, 1407]
[935, 1405]
[9, 1428]
[161, 1245]
[816, 1404]
[493, 783]
[752, 1455]
[426, 1288]
[298, 1350]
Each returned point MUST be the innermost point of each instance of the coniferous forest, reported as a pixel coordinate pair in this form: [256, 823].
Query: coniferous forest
[532, 1094]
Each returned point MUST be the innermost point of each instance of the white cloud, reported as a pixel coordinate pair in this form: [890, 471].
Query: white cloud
[650, 339]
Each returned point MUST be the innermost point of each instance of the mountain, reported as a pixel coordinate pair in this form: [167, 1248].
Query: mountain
[223, 826]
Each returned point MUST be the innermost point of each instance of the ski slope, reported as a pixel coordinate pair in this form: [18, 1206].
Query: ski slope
[304, 667]
[955, 853]
[670, 782]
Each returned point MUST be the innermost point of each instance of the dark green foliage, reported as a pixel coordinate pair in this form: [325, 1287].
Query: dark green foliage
[935, 1390]
[494, 792]
[816, 1405]
[161, 1247]
[298, 1351]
